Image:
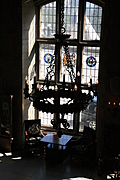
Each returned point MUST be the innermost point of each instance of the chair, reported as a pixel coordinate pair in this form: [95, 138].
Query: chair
[84, 148]
[33, 135]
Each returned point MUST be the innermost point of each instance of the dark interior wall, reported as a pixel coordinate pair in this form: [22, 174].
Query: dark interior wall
[109, 68]
[11, 60]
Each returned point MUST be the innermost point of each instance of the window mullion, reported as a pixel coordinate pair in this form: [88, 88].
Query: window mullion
[58, 46]
[58, 4]
[81, 19]
[37, 32]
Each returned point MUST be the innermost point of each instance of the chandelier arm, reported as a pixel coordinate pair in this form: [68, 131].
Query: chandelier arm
[31, 98]
[70, 101]
[49, 102]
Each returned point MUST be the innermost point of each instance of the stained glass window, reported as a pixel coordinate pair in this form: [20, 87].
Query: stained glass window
[83, 45]
[44, 50]
[65, 66]
[88, 71]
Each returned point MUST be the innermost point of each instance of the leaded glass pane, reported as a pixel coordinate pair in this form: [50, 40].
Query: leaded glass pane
[46, 118]
[88, 116]
[65, 67]
[68, 117]
[86, 70]
[93, 19]
[48, 20]
[45, 49]
[71, 17]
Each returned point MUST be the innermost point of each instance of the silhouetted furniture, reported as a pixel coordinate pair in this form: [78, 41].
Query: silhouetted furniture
[109, 158]
[109, 166]
[6, 135]
[83, 148]
[56, 148]
[33, 135]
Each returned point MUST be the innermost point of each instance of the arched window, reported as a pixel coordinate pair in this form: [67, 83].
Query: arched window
[83, 21]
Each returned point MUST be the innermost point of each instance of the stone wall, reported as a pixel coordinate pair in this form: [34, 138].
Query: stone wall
[28, 48]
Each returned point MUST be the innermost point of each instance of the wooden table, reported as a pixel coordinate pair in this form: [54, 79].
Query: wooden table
[56, 147]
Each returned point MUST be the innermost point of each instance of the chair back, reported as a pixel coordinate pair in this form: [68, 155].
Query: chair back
[33, 126]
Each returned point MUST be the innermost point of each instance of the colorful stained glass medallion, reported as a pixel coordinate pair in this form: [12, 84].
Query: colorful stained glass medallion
[48, 58]
[71, 58]
[91, 61]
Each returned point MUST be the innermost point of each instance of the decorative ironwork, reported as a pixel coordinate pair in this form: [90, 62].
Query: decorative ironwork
[48, 100]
